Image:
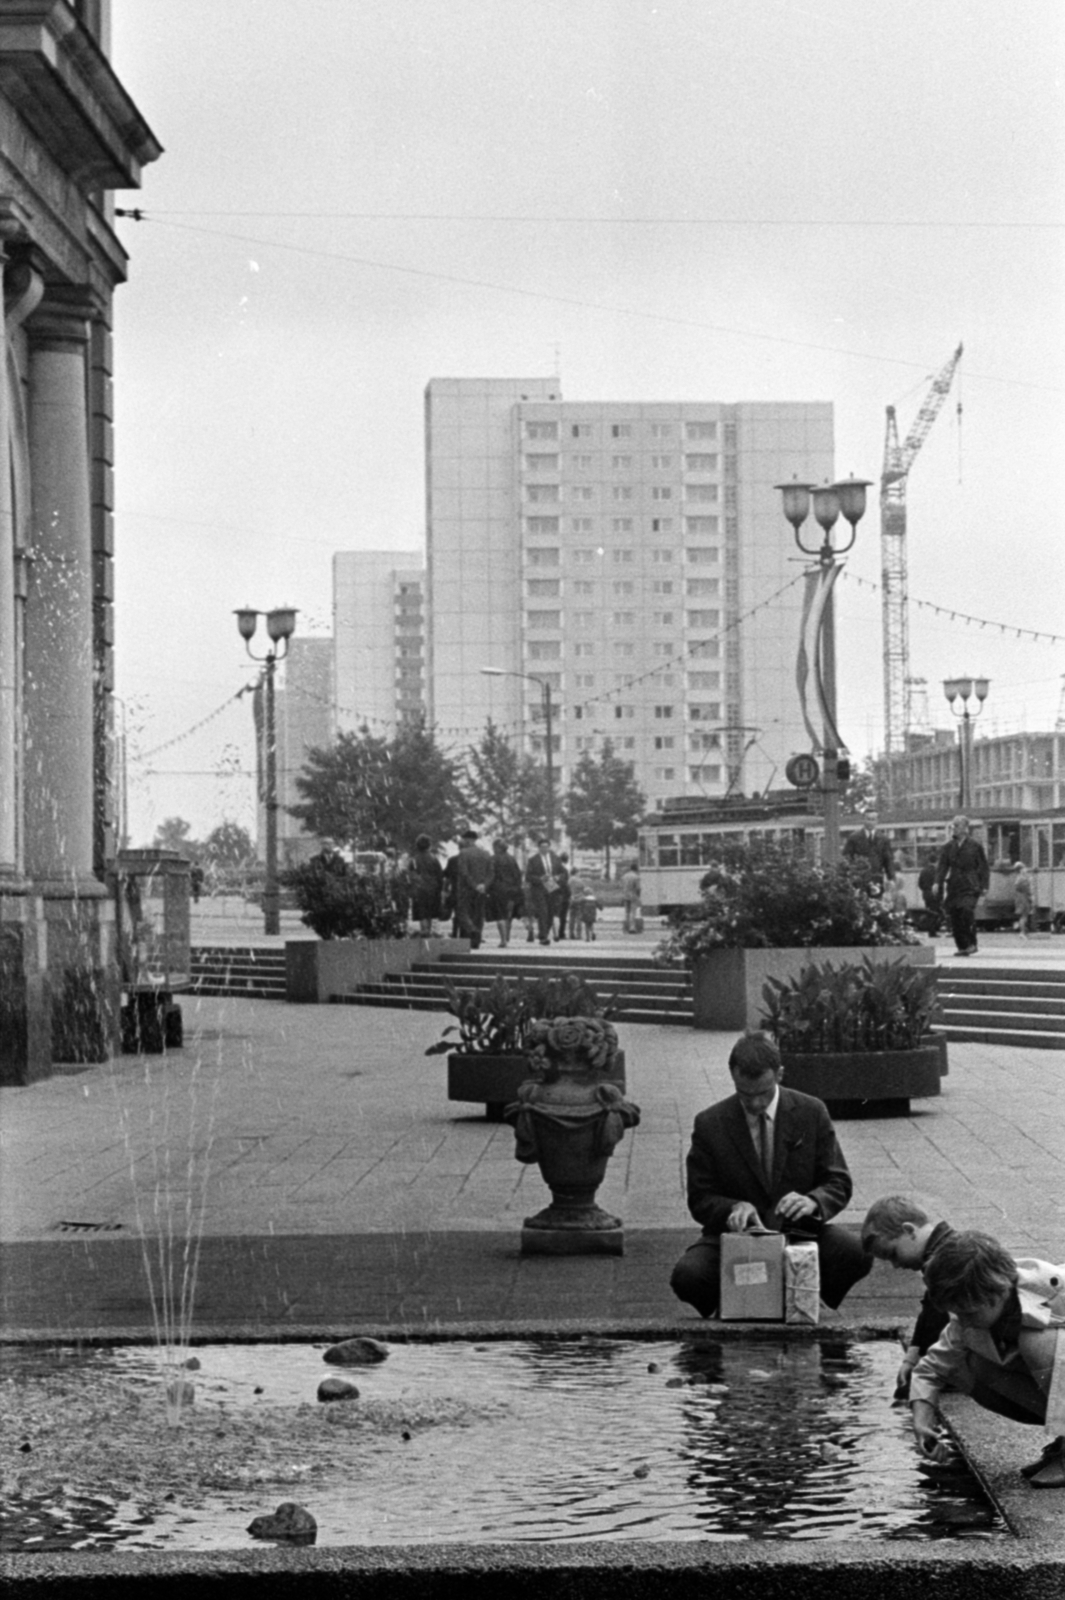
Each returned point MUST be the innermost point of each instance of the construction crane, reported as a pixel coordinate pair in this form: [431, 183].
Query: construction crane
[898, 459]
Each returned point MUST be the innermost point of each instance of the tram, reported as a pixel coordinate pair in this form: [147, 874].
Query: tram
[678, 843]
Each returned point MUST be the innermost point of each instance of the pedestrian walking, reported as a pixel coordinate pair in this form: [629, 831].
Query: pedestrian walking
[426, 876]
[962, 876]
[504, 892]
[630, 889]
[1022, 899]
[473, 877]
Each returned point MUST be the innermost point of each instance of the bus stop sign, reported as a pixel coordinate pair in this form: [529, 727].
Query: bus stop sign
[802, 771]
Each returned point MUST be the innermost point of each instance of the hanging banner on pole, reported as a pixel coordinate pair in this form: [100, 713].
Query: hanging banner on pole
[802, 663]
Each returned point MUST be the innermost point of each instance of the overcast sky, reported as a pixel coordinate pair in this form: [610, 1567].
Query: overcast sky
[695, 199]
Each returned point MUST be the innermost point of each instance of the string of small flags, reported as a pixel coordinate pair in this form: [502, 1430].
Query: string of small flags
[954, 615]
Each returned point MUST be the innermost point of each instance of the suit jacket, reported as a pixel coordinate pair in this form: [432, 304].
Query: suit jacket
[963, 868]
[875, 848]
[540, 867]
[723, 1166]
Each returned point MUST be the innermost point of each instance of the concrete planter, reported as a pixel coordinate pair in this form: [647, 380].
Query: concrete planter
[875, 1082]
[727, 984]
[316, 970]
[495, 1080]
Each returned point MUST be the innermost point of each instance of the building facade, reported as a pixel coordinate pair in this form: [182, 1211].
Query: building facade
[304, 718]
[1021, 772]
[69, 135]
[378, 639]
[635, 558]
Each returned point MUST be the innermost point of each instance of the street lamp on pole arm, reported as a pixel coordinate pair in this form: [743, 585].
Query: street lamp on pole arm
[280, 625]
[830, 501]
[961, 689]
[545, 700]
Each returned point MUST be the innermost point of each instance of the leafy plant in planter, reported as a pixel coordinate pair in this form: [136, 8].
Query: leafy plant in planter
[498, 1019]
[851, 1008]
[763, 895]
[339, 902]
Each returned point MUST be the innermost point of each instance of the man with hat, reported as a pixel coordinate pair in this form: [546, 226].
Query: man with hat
[473, 874]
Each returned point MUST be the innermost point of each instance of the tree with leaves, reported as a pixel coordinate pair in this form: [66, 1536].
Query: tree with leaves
[604, 803]
[507, 791]
[367, 791]
[228, 845]
[173, 834]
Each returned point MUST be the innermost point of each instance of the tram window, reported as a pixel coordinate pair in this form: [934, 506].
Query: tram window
[1042, 834]
[667, 850]
[648, 853]
[707, 848]
[1028, 845]
[689, 850]
[1059, 845]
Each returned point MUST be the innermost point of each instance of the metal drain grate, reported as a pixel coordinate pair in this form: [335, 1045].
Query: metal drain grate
[86, 1227]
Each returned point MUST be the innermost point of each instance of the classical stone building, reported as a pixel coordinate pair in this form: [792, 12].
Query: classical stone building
[69, 135]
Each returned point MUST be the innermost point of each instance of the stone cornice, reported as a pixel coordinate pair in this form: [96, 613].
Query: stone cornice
[63, 86]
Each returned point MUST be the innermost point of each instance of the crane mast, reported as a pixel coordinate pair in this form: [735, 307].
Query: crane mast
[898, 459]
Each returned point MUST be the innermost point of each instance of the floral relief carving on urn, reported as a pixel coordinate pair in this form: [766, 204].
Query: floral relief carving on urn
[569, 1118]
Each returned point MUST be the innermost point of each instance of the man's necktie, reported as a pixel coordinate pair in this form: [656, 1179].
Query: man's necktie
[765, 1148]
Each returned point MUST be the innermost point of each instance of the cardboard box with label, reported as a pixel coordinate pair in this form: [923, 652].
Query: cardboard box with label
[752, 1277]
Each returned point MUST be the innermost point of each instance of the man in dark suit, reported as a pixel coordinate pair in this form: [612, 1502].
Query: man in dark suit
[962, 876]
[872, 847]
[766, 1157]
[543, 874]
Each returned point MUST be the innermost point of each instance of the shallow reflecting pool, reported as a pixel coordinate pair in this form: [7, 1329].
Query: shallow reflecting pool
[586, 1438]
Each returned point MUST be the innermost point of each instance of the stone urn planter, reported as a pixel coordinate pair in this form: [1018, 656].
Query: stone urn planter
[494, 1080]
[569, 1119]
[727, 984]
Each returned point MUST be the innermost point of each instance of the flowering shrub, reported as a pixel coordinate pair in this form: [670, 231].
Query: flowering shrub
[589, 1038]
[339, 902]
[762, 895]
[852, 1008]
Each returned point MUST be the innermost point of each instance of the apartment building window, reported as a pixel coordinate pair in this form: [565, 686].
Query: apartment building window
[663, 713]
[704, 680]
[705, 711]
[581, 586]
[667, 679]
[581, 524]
[541, 463]
[541, 430]
[624, 619]
[585, 680]
[705, 774]
[661, 557]
[664, 741]
[702, 586]
[664, 619]
[581, 491]
[542, 524]
[622, 491]
[542, 588]
[545, 556]
[586, 742]
[624, 586]
[661, 463]
[581, 463]
[583, 557]
[584, 619]
[661, 524]
[543, 619]
[581, 430]
[621, 463]
[703, 619]
[661, 430]
[541, 494]
[702, 554]
[663, 647]
[705, 741]
[700, 462]
[624, 713]
[583, 647]
[622, 524]
[623, 558]
[662, 586]
[700, 430]
[700, 493]
[665, 774]
[624, 649]
[621, 430]
[701, 525]
[544, 650]
[628, 743]
[708, 648]
[661, 492]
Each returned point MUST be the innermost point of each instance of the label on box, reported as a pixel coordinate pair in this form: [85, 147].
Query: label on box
[748, 1272]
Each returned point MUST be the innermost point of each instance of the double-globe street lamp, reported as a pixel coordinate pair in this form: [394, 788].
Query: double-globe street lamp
[280, 625]
[830, 502]
[961, 689]
[545, 700]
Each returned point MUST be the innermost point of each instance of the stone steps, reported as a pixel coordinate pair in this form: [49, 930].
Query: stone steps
[249, 972]
[1012, 1006]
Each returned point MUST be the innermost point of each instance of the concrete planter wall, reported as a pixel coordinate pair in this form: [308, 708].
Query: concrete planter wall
[849, 1082]
[727, 984]
[318, 969]
[494, 1081]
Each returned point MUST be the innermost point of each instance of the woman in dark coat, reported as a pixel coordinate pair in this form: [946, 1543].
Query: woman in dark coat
[426, 877]
[505, 892]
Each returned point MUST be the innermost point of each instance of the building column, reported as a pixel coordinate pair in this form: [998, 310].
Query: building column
[58, 689]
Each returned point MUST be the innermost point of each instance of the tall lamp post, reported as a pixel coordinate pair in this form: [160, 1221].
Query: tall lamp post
[545, 700]
[961, 689]
[830, 501]
[280, 625]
